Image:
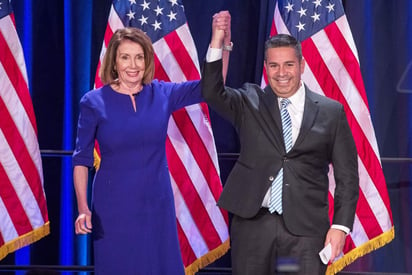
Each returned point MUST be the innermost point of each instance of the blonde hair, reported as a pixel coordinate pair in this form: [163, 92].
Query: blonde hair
[107, 72]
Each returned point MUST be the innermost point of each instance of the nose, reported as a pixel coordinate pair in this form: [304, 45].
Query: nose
[282, 70]
[133, 63]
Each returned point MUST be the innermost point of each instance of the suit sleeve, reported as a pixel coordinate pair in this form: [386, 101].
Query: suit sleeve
[224, 100]
[345, 168]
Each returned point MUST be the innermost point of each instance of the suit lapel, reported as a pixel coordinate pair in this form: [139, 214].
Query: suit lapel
[309, 115]
[271, 116]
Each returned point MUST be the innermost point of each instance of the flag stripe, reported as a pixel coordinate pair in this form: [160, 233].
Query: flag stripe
[24, 160]
[14, 175]
[194, 202]
[193, 168]
[343, 78]
[23, 207]
[349, 60]
[328, 84]
[332, 90]
[172, 69]
[15, 76]
[7, 229]
[185, 246]
[13, 205]
[182, 56]
[197, 147]
[160, 71]
[193, 241]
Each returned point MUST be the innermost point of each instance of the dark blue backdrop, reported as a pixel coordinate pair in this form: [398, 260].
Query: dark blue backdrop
[62, 40]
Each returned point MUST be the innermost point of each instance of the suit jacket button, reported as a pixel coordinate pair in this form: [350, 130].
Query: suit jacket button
[271, 178]
[285, 159]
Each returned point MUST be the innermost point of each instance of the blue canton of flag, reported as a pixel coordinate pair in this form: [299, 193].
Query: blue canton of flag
[304, 18]
[5, 8]
[156, 18]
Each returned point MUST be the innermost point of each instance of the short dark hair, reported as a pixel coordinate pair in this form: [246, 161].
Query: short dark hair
[284, 40]
[107, 73]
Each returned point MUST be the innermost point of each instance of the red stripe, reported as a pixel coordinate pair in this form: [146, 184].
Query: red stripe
[182, 56]
[108, 35]
[186, 250]
[160, 72]
[265, 76]
[349, 244]
[23, 157]
[331, 209]
[348, 58]
[273, 29]
[332, 90]
[193, 202]
[16, 78]
[13, 204]
[1, 239]
[97, 81]
[367, 218]
[200, 153]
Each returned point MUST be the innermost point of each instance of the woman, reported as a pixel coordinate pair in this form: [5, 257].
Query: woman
[133, 216]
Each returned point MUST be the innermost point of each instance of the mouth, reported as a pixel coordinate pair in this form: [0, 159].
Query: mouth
[133, 74]
[282, 82]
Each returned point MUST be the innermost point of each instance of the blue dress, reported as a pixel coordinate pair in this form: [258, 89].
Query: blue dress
[133, 213]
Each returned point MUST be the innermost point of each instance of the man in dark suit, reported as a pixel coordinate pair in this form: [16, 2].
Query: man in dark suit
[295, 224]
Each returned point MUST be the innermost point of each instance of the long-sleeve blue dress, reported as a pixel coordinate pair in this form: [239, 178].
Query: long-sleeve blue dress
[133, 212]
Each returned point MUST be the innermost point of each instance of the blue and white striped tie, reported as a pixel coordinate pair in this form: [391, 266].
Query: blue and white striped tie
[275, 202]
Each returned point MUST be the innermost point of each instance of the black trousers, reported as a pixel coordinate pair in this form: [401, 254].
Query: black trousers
[262, 245]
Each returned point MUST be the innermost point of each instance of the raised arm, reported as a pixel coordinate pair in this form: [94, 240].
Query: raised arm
[221, 38]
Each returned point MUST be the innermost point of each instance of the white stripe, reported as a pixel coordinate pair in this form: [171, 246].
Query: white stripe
[184, 34]
[374, 199]
[193, 235]
[197, 178]
[114, 20]
[20, 119]
[7, 229]
[202, 125]
[344, 28]
[168, 61]
[279, 24]
[19, 183]
[358, 233]
[309, 79]
[346, 86]
[12, 40]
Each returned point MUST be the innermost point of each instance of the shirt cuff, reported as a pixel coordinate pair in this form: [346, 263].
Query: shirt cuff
[341, 227]
[213, 54]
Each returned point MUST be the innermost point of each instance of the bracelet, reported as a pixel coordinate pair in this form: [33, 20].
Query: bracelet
[229, 47]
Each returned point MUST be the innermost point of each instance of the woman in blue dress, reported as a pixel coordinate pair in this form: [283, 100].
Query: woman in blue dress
[133, 220]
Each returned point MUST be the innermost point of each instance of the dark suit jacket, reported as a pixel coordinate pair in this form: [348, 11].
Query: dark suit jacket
[325, 138]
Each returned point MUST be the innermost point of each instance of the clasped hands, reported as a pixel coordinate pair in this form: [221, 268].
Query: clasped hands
[220, 29]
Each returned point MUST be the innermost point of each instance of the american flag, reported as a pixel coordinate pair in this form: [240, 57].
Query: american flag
[332, 69]
[193, 164]
[23, 210]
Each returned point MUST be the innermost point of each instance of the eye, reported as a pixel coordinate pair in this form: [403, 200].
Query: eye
[124, 57]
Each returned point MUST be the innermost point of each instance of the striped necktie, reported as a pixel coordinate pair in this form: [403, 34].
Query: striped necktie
[275, 202]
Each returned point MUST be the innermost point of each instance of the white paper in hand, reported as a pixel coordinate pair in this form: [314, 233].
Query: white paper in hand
[325, 253]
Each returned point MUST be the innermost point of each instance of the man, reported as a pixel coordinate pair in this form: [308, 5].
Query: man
[278, 189]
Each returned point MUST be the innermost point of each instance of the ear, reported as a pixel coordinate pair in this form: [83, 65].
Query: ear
[302, 65]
